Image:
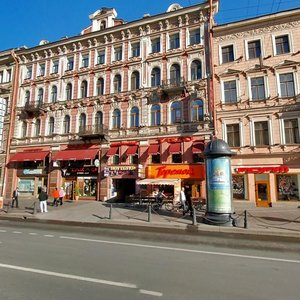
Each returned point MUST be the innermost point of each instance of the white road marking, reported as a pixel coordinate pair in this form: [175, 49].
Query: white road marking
[18, 232]
[32, 233]
[48, 235]
[183, 250]
[157, 294]
[3, 230]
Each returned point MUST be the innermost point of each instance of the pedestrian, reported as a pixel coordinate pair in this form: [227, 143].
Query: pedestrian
[188, 196]
[15, 198]
[160, 197]
[61, 195]
[43, 197]
[55, 196]
[183, 200]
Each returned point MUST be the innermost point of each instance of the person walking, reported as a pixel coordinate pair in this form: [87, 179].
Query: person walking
[55, 196]
[61, 195]
[15, 198]
[188, 196]
[183, 201]
[43, 197]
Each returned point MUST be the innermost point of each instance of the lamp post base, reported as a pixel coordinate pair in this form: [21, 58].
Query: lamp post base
[218, 219]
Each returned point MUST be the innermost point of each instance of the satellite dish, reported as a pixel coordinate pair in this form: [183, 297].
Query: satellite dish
[96, 162]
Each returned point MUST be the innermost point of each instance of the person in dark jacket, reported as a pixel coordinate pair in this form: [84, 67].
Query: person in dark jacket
[43, 197]
[15, 198]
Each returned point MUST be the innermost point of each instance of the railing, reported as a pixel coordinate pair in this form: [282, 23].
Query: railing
[173, 84]
[33, 106]
[92, 130]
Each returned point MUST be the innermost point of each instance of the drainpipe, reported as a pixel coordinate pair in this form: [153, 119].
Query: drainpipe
[12, 117]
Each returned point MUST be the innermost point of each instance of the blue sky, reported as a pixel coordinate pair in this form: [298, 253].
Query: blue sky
[27, 22]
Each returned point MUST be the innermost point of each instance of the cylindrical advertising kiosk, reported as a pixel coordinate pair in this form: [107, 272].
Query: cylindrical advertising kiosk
[218, 183]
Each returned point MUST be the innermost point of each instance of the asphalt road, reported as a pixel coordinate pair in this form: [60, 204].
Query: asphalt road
[43, 262]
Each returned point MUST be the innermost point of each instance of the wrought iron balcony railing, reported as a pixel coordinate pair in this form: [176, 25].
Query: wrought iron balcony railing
[92, 131]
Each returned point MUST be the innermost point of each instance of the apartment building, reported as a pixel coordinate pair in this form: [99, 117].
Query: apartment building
[257, 102]
[116, 110]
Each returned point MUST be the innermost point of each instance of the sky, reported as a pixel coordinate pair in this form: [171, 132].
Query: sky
[27, 22]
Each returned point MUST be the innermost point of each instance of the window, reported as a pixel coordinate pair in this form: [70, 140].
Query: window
[291, 131]
[135, 50]
[175, 74]
[69, 91]
[134, 159]
[282, 44]
[27, 98]
[197, 111]
[176, 112]
[28, 73]
[102, 25]
[195, 36]
[101, 57]
[230, 93]
[85, 61]
[8, 75]
[196, 70]
[155, 115]
[287, 87]
[51, 125]
[116, 159]
[54, 93]
[258, 88]
[198, 158]
[174, 41]
[66, 124]
[177, 158]
[288, 187]
[70, 63]
[82, 122]
[155, 158]
[134, 117]
[116, 119]
[118, 53]
[135, 80]
[42, 70]
[100, 86]
[55, 67]
[37, 127]
[227, 54]
[40, 96]
[99, 120]
[117, 83]
[233, 135]
[155, 77]
[261, 133]
[254, 49]
[24, 130]
[83, 89]
[155, 45]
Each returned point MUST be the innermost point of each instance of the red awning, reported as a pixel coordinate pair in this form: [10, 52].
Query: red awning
[131, 150]
[153, 149]
[198, 147]
[29, 156]
[112, 151]
[78, 154]
[175, 148]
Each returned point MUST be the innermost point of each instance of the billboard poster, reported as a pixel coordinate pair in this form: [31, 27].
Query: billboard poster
[218, 171]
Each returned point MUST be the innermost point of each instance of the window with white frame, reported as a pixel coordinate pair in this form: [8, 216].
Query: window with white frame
[28, 74]
[69, 90]
[37, 129]
[135, 49]
[233, 135]
[100, 86]
[55, 65]
[101, 57]
[117, 83]
[53, 93]
[134, 117]
[197, 110]
[282, 44]
[261, 131]
[194, 36]
[176, 115]
[66, 124]
[27, 97]
[196, 70]
[3, 111]
[135, 80]
[70, 63]
[155, 115]
[258, 88]
[99, 120]
[175, 74]
[116, 119]
[227, 54]
[118, 53]
[40, 96]
[174, 41]
[51, 126]
[82, 122]
[84, 89]
[155, 77]
[230, 91]
[291, 131]
[41, 70]
[254, 49]
[155, 45]
[287, 85]
[24, 129]
[85, 61]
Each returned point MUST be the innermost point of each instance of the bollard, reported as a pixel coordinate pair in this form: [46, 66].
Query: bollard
[34, 208]
[245, 219]
[110, 212]
[149, 212]
[194, 216]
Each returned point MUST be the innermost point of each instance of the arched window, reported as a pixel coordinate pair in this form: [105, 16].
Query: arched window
[176, 112]
[69, 91]
[99, 120]
[51, 125]
[82, 121]
[155, 77]
[175, 74]
[196, 70]
[197, 110]
[37, 129]
[24, 129]
[116, 119]
[100, 86]
[155, 115]
[54, 93]
[135, 80]
[117, 83]
[134, 117]
[67, 124]
[84, 89]
[40, 97]
[27, 97]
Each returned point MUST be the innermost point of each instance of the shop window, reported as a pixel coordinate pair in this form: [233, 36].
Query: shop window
[176, 158]
[197, 158]
[116, 159]
[155, 158]
[88, 186]
[288, 187]
[134, 159]
[238, 187]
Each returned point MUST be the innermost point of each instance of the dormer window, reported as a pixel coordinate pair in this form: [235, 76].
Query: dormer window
[102, 25]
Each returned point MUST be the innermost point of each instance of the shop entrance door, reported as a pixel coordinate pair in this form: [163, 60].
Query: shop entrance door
[262, 194]
[69, 189]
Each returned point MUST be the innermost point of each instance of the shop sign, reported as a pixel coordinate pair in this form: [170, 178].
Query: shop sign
[31, 172]
[279, 169]
[176, 171]
[80, 171]
[119, 170]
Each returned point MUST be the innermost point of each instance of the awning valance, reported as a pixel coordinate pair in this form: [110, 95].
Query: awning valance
[112, 151]
[78, 154]
[153, 149]
[29, 156]
[175, 148]
[132, 150]
[157, 181]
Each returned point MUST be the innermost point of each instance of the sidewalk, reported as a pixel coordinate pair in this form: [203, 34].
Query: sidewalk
[281, 220]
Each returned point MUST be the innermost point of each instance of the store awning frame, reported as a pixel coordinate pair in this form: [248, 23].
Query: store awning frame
[29, 156]
[78, 154]
[153, 149]
[132, 150]
[113, 150]
[175, 148]
[157, 181]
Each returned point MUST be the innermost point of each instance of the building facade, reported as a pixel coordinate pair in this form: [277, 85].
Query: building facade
[120, 103]
[257, 101]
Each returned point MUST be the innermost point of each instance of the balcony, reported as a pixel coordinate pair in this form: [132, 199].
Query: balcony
[173, 85]
[33, 107]
[93, 131]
